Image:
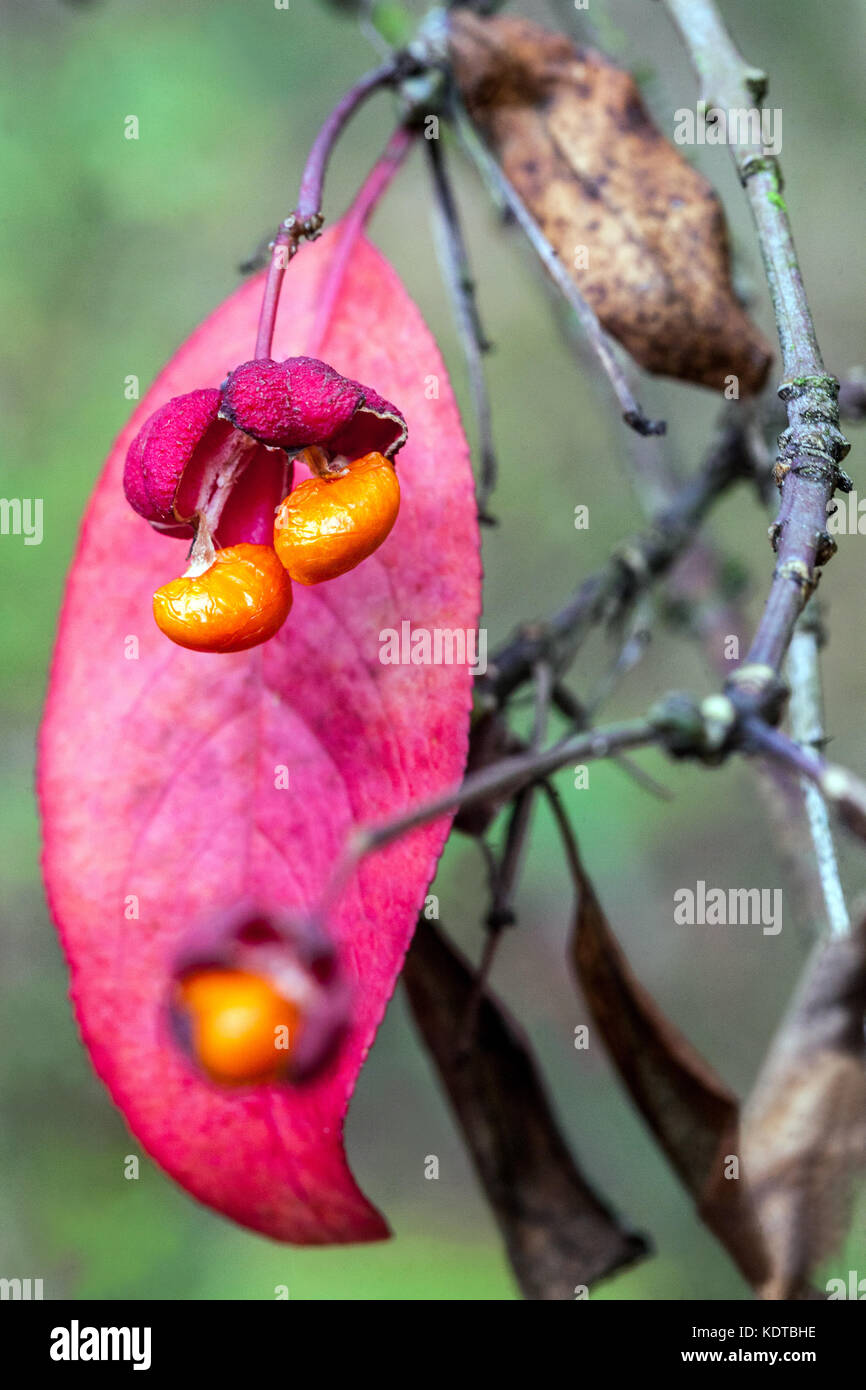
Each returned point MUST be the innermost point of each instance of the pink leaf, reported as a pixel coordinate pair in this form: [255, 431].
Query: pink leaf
[158, 766]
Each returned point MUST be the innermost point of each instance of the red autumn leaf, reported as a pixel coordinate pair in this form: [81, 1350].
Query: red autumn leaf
[157, 774]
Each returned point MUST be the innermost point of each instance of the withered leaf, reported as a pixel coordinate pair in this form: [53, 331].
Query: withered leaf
[558, 1232]
[690, 1110]
[574, 138]
[804, 1127]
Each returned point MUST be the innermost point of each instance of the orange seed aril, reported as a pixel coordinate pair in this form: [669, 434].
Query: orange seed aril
[236, 1021]
[240, 600]
[329, 524]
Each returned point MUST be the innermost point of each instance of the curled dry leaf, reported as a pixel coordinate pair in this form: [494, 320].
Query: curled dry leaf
[559, 1233]
[690, 1110]
[574, 138]
[804, 1127]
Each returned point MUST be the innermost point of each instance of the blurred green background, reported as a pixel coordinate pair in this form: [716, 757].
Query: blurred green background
[112, 251]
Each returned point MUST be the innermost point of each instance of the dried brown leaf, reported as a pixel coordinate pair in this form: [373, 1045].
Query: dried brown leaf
[558, 1232]
[804, 1128]
[573, 136]
[690, 1110]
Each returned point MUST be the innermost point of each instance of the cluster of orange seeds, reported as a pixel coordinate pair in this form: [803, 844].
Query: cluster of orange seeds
[324, 528]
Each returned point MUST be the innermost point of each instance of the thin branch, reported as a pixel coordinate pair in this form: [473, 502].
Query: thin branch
[461, 286]
[501, 912]
[505, 777]
[510, 774]
[685, 728]
[633, 568]
[503, 878]
[712, 618]
[707, 731]
[370, 24]
[306, 220]
[571, 709]
[840, 788]
[807, 725]
[506, 194]
[632, 648]
[502, 908]
[367, 198]
[812, 447]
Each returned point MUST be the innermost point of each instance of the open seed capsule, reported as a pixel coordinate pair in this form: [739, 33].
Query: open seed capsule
[240, 600]
[328, 525]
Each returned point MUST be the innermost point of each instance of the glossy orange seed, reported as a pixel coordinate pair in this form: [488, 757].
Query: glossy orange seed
[237, 1021]
[327, 526]
[242, 599]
